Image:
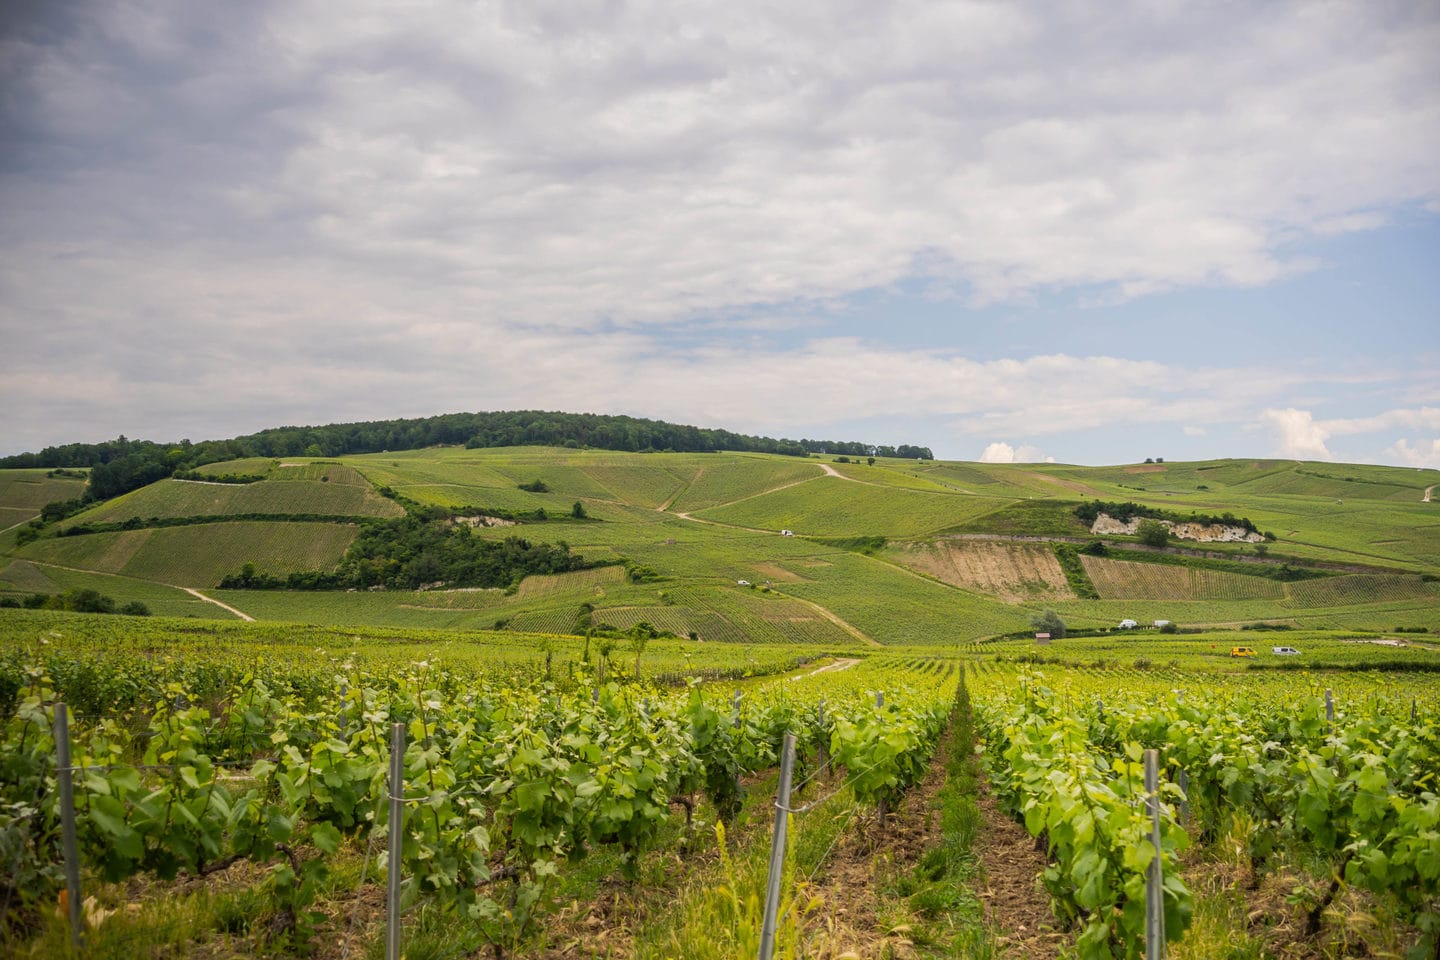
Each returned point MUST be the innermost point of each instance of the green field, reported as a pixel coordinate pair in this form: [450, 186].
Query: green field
[899, 578]
[24, 492]
[1126, 580]
[199, 555]
[834, 507]
[702, 523]
[1209, 652]
[345, 496]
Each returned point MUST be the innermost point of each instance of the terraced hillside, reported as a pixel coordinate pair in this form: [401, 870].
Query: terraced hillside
[331, 490]
[24, 492]
[1126, 580]
[1012, 572]
[199, 555]
[755, 547]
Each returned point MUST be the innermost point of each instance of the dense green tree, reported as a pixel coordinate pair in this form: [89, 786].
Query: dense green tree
[1153, 533]
[495, 429]
[1049, 622]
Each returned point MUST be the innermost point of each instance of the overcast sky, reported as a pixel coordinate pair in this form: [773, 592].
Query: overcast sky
[1088, 231]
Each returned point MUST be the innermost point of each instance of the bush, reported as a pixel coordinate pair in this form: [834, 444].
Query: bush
[1049, 622]
[1074, 570]
[1169, 628]
[535, 486]
[1153, 533]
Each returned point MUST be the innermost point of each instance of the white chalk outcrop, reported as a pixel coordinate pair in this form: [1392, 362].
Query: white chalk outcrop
[1202, 532]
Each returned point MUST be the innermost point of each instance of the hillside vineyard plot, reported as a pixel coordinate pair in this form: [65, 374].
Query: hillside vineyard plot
[511, 776]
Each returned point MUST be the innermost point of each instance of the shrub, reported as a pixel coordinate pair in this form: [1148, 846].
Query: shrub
[1074, 570]
[1153, 533]
[1049, 622]
[1169, 628]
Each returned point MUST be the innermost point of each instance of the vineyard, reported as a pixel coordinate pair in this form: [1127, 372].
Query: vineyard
[1360, 588]
[593, 763]
[24, 492]
[1279, 772]
[508, 777]
[200, 554]
[1009, 572]
[832, 507]
[1124, 580]
[533, 773]
[343, 497]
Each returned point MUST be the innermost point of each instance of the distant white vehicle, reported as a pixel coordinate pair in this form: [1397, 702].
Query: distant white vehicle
[1285, 651]
[742, 583]
[787, 533]
[1128, 624]
[1161, 623]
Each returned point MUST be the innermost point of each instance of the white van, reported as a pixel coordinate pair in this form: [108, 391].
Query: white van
[1284, 651]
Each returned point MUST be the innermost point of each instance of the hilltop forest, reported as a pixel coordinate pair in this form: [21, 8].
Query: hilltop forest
[120, 465]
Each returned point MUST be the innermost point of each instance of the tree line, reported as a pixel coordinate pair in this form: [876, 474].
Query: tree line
[121, 465]
[424, 549]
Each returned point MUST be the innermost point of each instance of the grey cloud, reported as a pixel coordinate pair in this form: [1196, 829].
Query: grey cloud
[262, 202]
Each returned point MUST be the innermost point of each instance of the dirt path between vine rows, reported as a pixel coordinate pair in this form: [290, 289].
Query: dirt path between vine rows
[224, 606]
[842, 664]
[1428, 490]
[864, 862]
[1015, 905]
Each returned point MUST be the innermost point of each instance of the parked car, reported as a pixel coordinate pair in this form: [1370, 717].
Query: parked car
[1284, 651]
[1128, 624]
[1242, 651]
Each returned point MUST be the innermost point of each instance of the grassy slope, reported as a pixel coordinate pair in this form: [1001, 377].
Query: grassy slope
[184, 498]
[739, 503]
[319, 648]
[24, 492]
[1375, 516]
[832, 507]
[22, 577]
[202, 554]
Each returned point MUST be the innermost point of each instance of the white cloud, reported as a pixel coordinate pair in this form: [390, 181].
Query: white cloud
[998, 452]
[1420, 455]
[1001, 452]
[212, 225]
[1298, 434]
[553, 166]
[1422, 418]
[1190, 430]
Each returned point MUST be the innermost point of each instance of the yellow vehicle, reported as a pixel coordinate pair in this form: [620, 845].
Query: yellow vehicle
[1242, 651]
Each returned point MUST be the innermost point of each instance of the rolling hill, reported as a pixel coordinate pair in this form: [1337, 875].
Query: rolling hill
[898, 551]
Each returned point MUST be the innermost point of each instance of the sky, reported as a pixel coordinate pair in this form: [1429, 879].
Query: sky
[1088, 232]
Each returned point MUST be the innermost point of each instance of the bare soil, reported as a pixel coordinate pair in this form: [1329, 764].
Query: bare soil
[1009, 571]
[850, 921]
[1014, 902]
